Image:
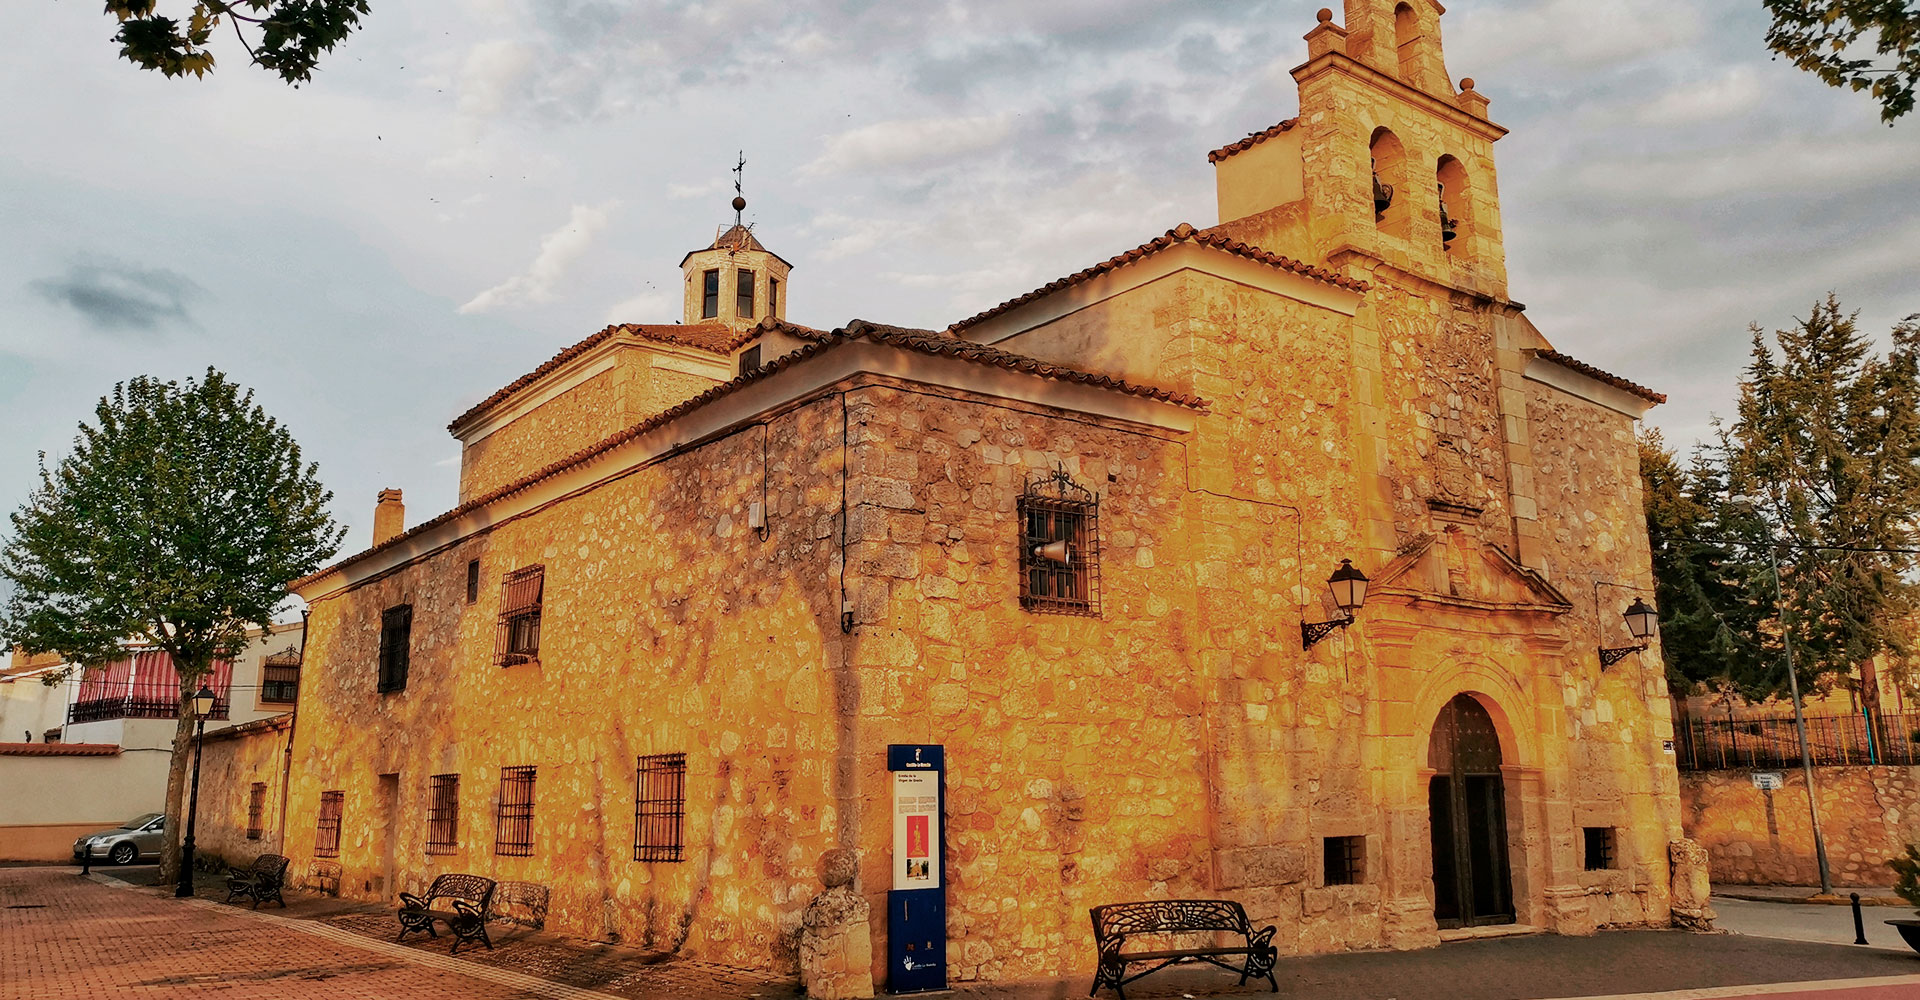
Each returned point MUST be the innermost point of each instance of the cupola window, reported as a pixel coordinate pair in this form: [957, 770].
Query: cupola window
[743, 294]
[710, 296]
[773, 296]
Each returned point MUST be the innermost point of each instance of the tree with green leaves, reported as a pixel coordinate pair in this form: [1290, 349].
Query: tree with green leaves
[176, 521]
[289, 36]
[1826, 38]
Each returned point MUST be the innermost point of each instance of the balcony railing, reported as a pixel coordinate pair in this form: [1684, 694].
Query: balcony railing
[1833, 740]
[104, 709]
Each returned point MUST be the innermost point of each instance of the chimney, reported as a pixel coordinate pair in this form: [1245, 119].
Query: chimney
[389, 516]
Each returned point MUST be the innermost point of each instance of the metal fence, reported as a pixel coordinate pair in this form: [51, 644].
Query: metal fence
[102, 709]
[1717, 744]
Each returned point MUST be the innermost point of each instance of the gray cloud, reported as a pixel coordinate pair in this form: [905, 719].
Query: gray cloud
[115, 295]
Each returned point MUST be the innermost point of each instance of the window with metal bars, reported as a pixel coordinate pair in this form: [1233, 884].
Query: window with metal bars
[1346, 860]
[443, 813]
[326, 834]
[1600, 848]
[280, 678]
[660, 807]
[1059, 547]
[513, 820]
[518, 638]
[256, 809]
[396, 634]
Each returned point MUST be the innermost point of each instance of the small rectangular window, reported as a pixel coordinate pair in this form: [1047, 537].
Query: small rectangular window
[710, 295]
[1059, 548]
[443, 813]
[256, 809]
[280, 678]
[396, 635]
[513, 820]
[1600, 848]
[773, 297]
[750, 359]
[326, 834]
[1346, 860]
[473, 580]
[517, 639]
[660, 797]
[743, 294]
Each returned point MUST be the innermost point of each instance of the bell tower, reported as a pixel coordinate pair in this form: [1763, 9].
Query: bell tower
[1390, 163]
[735, 282]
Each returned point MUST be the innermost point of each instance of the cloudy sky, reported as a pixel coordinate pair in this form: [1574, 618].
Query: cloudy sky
[470, 185]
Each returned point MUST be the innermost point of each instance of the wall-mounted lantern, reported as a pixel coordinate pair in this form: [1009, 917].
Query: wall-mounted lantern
[1642, 622]
[1349, 587]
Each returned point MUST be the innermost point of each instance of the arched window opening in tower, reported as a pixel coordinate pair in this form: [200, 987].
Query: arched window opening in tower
[1456, 205]
[1389, 182]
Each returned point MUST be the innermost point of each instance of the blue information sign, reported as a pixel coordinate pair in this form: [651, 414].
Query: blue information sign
[917, 899]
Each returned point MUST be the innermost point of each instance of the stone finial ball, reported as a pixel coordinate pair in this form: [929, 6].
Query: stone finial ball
[739, 203]
[1466, 83]
[1325, 15]
[838, 866]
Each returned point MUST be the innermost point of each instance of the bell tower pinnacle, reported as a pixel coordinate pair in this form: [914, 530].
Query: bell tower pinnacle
[735, 281]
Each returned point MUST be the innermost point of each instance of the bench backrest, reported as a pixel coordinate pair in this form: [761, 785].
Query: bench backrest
[271, 865]
[476, 889]
[1168, 916]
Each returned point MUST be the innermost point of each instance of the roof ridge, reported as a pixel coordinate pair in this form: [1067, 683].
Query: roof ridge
[1182, 233]
[1253, 139]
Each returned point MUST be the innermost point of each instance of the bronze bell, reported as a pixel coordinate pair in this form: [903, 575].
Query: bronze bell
[1447, 229]
[1382, 195]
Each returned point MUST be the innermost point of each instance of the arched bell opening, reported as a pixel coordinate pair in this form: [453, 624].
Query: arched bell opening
[1456, 206]
[1389, 182]
[1467, 809]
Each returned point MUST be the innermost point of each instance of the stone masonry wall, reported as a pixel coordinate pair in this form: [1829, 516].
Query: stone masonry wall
[1756, 837]
[228, 770]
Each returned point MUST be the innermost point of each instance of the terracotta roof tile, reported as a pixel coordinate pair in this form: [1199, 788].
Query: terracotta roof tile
[921, 341]
[715, 337]
[1575, 364]
[1253, 139]
[1183, 233]
[59, 750]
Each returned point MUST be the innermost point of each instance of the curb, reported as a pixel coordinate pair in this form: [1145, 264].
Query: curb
[1813, 900]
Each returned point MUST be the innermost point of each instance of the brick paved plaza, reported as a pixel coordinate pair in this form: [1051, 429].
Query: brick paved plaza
[67, 938]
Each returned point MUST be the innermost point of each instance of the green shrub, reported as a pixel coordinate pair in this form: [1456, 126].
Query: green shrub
[1908, 868]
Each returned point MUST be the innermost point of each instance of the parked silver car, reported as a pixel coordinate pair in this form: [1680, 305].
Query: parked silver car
[139, 837]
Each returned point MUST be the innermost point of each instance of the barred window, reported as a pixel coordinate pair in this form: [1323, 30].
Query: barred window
[443, 813]
[518, 638]
[660, 807]
[1600, 848]
[280, 678]
[396, 634]
[326, 834]
[513, 821]
[1059, 547]
[1345, 860]
[256, 808]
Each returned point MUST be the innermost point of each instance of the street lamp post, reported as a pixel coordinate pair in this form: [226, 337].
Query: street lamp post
[202, 707]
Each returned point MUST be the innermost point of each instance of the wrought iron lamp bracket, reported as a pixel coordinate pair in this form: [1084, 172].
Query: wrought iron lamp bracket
[1313, 632]
[1609, 657]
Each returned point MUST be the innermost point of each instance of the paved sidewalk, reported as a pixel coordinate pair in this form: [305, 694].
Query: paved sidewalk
[1869, 895]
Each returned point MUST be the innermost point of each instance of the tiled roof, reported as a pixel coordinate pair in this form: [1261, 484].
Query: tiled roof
[715, 337]
[1182, 233]
[1575, 364]
[59, 750]
[1253, 139]
[920, 341]
[268, 724]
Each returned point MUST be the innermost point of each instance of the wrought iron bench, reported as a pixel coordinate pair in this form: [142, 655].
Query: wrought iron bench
[1158, 920]
[260, 881]
[468, 898]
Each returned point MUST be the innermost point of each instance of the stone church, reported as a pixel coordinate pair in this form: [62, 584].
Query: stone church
[702, 574]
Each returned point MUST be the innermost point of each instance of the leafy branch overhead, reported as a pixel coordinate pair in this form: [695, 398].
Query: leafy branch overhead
[288, 37]
[1828, 38]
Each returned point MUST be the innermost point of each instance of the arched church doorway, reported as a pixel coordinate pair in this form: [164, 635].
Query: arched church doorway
[1466, 802]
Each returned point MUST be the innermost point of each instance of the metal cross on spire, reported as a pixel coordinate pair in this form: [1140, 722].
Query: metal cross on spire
[739, 198]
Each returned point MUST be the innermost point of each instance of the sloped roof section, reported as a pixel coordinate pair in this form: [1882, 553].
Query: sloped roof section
[927, 342]
[714, 337]
[1624, 385]
[1182, 233]
[1253, 139]
[59, 750]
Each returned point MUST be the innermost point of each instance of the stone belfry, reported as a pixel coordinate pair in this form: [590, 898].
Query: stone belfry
[1387, 160]
[736, 281]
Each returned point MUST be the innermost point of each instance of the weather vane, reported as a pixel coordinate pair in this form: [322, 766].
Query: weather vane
[739, 198]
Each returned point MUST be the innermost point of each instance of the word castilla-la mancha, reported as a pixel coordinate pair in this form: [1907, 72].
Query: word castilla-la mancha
[703, 574]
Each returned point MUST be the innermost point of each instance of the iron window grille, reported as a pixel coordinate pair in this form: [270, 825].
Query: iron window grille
[518, 639]
[1346, 860]
[326, 834]
[513, 822]
[1600, 848]
[280, 678]
[396, 634]
[256, 808]
[473, 580]
[443, 813]
[1054, 510]
[660, 807]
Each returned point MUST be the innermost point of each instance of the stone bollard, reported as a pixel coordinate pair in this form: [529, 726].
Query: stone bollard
[836, 945]
[1692, 886]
